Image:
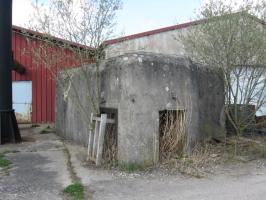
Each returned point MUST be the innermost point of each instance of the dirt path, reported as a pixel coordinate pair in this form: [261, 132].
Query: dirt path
[245, 181]
[39, 172]
[246, 187]
[38, 169]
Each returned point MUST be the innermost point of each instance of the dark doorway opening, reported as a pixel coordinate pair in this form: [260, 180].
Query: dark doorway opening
[111, 136]
[172, 133]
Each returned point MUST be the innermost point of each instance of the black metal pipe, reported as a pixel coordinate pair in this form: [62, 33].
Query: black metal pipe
[5, 54]
[9, 131]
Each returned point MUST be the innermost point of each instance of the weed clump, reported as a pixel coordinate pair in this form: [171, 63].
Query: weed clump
[75, 191]
[3, 161]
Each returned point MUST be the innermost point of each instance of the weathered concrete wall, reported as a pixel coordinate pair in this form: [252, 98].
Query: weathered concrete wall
[73, 106]
[139, 85]
[164, 43]
[211, 103]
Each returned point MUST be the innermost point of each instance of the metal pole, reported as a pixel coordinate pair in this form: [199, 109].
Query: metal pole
[5, 54]
[8, 124]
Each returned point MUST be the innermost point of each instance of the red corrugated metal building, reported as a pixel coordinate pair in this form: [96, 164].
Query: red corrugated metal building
[42, 79]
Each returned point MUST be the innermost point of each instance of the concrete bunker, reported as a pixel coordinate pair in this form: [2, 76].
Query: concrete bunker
[141, 85]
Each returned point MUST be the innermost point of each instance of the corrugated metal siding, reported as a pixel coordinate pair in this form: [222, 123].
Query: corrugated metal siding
[43, 84]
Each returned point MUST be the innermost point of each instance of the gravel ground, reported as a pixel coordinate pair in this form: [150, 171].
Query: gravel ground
[242, 181]
[38, 169]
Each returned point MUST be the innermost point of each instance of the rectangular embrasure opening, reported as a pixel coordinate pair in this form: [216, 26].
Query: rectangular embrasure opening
[172, 133]
[110, 139]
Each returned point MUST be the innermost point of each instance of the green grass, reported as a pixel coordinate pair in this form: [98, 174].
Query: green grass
[75, 190]
[3, 161]
[131, 167]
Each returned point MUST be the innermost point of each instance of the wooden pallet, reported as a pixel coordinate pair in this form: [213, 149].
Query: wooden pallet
[96, 137]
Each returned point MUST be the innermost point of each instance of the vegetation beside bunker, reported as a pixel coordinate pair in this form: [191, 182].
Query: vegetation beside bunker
[205, 158]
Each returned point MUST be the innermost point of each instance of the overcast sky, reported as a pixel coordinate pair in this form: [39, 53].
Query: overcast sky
[136, 15]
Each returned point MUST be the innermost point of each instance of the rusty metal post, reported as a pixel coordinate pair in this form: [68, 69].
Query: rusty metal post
[9, 131]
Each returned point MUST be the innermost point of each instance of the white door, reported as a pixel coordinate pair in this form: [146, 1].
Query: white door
[22, 100]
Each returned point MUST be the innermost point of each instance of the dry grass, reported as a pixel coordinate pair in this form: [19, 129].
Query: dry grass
[173, 134]
[110, 146]
[205, 158]
[201, 161]
[173, 145]
[251, 148]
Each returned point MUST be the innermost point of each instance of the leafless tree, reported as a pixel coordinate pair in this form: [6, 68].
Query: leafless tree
[85, 22]
[233, 38]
